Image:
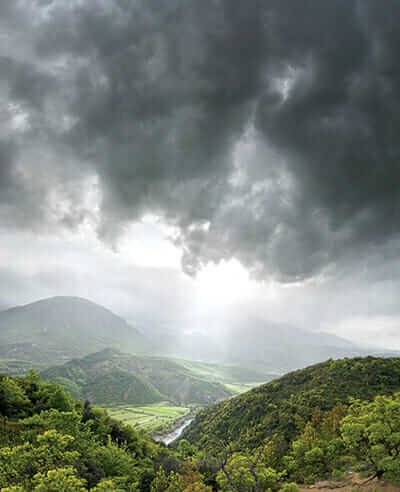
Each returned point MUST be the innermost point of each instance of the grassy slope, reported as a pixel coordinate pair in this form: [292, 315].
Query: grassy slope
[250, 418]
[110, 377]
[226, 374]
[54, 330]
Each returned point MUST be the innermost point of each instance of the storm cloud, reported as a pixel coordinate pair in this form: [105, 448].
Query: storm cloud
[265, 131]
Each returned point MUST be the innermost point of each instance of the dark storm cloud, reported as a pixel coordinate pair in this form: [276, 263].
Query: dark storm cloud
[267, 131]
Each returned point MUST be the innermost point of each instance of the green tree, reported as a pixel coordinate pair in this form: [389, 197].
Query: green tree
[106, 485]
[13, 488]
[166, 483]
[18, 464]
[243, 474]
[13, 400]
[371, 432]
[59, 480]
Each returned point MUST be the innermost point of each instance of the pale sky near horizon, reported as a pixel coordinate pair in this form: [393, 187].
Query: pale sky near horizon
[183, 159]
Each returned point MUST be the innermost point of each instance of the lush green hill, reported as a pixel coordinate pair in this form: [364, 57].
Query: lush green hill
[57, 329]
[283, 406]
[50, 442]
[111, 377]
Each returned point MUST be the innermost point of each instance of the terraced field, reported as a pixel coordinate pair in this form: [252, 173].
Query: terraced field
[158, 417]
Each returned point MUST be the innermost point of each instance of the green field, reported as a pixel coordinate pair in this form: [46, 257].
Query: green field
[161, 418]
[225, 374]
[158, 417]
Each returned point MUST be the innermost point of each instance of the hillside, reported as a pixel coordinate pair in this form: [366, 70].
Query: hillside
[111, 377]
[60, 328]
[284, 405]
[50, 442]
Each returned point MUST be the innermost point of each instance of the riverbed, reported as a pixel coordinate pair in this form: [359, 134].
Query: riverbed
[172, 436]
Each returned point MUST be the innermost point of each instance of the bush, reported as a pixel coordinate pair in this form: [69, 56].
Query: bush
[290, 487]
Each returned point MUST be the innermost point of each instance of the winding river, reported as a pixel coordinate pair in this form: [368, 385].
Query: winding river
[172, 436]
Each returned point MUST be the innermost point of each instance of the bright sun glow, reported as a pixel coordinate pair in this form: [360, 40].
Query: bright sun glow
[225, 283]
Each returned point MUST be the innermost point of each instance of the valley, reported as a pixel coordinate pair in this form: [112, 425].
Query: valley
[155, 420]
[239, 348]
[199, 246]
[178, 422]
[318, 428]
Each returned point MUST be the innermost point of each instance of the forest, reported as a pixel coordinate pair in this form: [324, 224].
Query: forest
[318, 423]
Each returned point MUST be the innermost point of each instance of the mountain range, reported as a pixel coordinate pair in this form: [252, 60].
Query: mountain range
[246, 340]
[55, 330]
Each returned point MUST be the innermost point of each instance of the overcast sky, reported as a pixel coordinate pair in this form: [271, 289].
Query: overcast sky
[172, 159]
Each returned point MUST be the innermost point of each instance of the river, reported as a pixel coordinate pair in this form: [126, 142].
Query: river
[172, 436]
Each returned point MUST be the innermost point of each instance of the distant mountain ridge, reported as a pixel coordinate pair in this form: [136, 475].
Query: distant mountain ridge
[247, 340]
[60, 328]
[55, 330]
[111, 377]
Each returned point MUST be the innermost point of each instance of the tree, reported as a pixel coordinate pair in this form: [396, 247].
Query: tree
[198, 487]
[20, 463]
[166, 483]
[371, 432]
[58, 480]
[243, 473]
[13, 400]
[106, 486]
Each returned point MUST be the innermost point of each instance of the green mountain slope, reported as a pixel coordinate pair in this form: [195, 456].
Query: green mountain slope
[226, 374]
[283, 405]
[112, 377]
[60, 328]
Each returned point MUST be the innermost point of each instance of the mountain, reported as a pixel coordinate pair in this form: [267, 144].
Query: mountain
[258, 343]
[246, 340]
[280, 407]
[110, 377]
[60, 328]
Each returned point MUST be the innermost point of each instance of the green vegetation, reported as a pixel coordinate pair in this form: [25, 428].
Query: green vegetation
[226, 374]
[110, 377]
[285, 405]
[52, 331]
[19, 367]
[314, 424]
[156, 418]
[237, 388]
[50, 442]
[371, 432]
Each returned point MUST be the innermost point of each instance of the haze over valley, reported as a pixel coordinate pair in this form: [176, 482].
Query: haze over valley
[56, 330]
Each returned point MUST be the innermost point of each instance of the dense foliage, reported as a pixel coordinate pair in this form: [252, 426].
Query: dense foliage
[51, 442]
[111, 377]
[285, 405]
